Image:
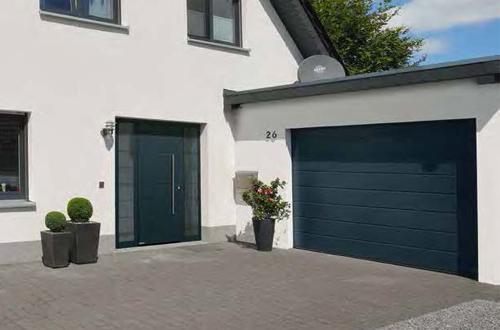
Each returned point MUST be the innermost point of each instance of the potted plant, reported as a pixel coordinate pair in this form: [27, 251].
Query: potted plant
[86, 233]
[56, 242]
[268, 206]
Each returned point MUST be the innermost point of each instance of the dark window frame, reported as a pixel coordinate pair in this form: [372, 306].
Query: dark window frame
[22, 194]
[80, 9]
[238, 39]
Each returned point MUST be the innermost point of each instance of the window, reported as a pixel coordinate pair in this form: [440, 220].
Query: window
[101, 10]
[215, 20]
[12, 157]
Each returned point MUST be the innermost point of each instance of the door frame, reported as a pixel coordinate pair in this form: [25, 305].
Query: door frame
[135, 242]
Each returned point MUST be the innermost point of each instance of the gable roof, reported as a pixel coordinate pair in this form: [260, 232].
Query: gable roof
[305, 28]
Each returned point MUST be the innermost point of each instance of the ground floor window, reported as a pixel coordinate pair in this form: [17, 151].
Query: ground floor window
[12, 156]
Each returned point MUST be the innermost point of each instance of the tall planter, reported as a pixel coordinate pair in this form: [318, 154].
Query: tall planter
[264, 234]
[85, 242]
[56, 248]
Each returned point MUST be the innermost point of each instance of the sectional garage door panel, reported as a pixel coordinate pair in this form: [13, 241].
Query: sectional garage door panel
[358, 167]
[431, 221]
[442, 184]
[415, 238]
[446, 203]
[420, 258]
[399, 193]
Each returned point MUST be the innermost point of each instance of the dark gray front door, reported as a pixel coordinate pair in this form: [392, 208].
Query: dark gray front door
[398, 193]
[160, 181]
[158, 188]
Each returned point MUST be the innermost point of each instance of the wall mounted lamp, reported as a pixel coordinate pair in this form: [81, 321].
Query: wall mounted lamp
[109, 129]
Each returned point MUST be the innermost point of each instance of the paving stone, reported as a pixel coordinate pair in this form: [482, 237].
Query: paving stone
[225, 286]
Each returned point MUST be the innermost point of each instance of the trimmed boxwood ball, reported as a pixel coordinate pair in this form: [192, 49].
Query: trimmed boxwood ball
[80, 209]
[55, 221]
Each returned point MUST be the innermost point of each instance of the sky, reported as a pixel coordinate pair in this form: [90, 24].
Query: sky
[453, 29]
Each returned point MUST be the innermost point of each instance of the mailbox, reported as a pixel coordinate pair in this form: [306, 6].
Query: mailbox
[242, 182]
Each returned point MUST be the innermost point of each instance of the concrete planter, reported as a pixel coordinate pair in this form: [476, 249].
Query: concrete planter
[264, 234]
[56, 248]
[86, 242]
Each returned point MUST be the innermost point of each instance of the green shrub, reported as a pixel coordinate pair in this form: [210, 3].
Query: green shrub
[55, 221]
[266, 201]
[80, 209]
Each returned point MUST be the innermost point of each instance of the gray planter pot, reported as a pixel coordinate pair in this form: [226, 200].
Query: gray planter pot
[264, 234]
[85, 242]
[56, 248]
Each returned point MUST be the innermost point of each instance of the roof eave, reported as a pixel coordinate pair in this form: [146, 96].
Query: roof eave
[486, 70]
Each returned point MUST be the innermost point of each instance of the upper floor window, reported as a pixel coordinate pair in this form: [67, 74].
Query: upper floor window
[12, 157]
[101, 10]
[215, 20]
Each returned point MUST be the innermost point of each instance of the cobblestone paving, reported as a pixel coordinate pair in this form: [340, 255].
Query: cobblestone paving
[225, 286]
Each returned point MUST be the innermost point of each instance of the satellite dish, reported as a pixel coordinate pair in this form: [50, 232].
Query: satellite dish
[320, 67]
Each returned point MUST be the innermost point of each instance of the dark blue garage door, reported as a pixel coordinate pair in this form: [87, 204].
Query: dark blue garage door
[397, 193]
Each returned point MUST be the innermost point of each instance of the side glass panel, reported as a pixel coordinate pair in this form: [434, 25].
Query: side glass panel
[11, 156]
[126, 194]
[224, 21]
[191, 184]
[101, 8]
[59, 5]
[197, 18]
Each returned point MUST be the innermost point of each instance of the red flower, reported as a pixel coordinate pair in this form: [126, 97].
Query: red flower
[271, 191]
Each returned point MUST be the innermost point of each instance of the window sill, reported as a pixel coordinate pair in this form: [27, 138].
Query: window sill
[212, 44]
[17, 205]
[86, 21]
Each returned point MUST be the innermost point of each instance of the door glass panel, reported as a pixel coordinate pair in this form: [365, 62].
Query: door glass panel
[126, 192]
[197, 18]
[191, 184]
[224, 20]
[101, 8]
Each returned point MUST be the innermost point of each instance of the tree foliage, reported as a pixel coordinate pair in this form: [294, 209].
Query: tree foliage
[359, 29]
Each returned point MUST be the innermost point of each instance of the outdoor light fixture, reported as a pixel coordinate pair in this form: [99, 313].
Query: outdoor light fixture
[109, 129]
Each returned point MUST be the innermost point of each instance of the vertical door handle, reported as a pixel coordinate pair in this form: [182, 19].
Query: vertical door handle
[173, 184]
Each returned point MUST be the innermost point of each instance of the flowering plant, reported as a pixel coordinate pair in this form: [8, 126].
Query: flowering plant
[266, 202]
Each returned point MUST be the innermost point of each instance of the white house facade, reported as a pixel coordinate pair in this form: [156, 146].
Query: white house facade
[123, 103]
[65, 75]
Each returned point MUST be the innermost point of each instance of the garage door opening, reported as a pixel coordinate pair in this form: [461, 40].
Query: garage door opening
[396, 193]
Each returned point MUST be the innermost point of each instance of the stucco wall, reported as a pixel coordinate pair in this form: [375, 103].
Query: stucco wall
[435, 101]
[73, 77]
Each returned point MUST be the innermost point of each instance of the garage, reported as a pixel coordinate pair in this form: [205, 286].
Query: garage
[398, 167]
[396, 193]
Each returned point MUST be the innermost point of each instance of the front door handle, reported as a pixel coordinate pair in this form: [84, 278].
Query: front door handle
[173, 184]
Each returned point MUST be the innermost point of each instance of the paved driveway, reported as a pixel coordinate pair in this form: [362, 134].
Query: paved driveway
[225, 286]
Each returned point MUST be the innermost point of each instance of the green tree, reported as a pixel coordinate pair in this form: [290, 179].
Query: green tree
[359, 29]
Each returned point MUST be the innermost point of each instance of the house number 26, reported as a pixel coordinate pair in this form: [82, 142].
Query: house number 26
[271, 135]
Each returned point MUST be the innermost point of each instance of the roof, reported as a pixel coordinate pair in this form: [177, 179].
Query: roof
[305, 28]
[486, 69]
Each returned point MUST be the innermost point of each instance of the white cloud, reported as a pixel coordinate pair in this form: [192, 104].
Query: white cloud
[435, 46]
[431, 15]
